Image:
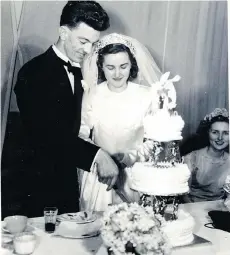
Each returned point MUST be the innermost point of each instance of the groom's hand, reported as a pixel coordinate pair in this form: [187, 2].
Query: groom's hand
[107, 169]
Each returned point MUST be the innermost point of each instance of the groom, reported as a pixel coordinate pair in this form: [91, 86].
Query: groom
[49, 96]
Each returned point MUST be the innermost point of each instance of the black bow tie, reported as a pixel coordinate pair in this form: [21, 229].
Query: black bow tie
[72, 69]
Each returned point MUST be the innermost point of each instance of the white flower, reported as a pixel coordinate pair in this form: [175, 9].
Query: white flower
[138, 225]
[85, 86]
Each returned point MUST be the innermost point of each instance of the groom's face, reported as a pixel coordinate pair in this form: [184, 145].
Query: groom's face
[79, 41]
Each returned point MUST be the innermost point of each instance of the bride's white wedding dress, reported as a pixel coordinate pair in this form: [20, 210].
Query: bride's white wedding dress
[117, 123]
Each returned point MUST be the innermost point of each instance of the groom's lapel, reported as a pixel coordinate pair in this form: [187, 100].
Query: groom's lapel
[60, 78]
[78, 93]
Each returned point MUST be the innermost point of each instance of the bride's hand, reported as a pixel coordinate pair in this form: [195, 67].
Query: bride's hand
[146, 150]
[107, 169]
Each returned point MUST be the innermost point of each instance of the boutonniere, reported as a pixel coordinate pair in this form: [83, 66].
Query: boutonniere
[85, 86]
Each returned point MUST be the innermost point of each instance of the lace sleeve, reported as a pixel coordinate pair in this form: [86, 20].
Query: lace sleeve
[141, 154]
[190, 160]
[86, 117]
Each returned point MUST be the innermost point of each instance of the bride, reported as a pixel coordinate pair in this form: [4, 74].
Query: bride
[119, 73]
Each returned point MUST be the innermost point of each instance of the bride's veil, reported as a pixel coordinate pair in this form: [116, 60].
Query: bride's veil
[148, 74]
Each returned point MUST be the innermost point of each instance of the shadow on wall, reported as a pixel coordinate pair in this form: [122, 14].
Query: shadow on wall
[4, 79]
[116, 22]
[37, 45]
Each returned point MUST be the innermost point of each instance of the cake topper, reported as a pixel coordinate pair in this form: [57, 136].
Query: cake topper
[166, 91]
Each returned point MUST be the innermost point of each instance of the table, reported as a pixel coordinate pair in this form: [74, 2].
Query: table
[49, 245]
[220, 239]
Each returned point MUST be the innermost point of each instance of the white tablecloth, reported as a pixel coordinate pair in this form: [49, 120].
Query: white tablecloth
[220, 239]
[50, 245]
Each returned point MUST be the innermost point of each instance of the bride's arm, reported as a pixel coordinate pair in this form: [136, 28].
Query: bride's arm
[142, 152]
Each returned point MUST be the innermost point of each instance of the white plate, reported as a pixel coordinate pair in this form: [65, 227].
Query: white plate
[78, 237]
[7, 238]
[27, 229]
[79, 217]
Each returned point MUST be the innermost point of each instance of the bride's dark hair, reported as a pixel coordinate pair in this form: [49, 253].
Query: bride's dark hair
[113, 49]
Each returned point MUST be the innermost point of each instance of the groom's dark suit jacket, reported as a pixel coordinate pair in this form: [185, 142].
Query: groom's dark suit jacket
[51, 115]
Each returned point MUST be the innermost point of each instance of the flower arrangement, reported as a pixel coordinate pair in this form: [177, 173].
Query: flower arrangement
[133, 229]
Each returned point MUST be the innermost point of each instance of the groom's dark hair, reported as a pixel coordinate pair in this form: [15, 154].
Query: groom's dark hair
[89, 12]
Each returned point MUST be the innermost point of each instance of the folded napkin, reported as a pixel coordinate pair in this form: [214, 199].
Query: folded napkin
[75, 230]
[220, 219]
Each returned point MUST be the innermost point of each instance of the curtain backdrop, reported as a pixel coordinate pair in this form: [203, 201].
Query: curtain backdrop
[10, 29]
[185, 38]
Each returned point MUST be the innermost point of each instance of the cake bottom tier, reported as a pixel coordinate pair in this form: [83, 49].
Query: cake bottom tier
[180, 231]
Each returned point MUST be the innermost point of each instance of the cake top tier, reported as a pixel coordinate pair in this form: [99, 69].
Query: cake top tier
[164, 124]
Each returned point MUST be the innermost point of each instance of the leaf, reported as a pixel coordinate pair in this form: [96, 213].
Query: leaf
[164, 77]
[176, 78]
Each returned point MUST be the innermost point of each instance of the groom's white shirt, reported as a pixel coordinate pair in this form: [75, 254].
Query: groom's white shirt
[66, 59]
[71, 79]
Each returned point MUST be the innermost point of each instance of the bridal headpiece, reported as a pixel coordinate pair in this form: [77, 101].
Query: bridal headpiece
[113, 39]
[148, 73]
[207, 121]
[217, 112]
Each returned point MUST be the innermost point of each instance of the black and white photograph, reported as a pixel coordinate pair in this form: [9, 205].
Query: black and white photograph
[115, 128]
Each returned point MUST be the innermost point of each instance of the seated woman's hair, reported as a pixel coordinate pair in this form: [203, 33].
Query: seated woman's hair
[218, 115]
[201, 138]
[113, 49]
[89, 12]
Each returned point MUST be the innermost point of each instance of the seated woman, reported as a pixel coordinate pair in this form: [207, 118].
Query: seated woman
[210, 166]
[119, 73]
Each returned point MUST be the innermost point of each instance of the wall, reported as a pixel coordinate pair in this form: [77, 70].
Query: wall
[186, 38]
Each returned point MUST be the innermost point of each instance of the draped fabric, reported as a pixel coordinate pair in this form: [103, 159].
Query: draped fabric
[188, 38]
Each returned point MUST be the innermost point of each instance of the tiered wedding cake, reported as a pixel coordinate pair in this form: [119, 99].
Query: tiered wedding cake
[155, 225]
[165, 175]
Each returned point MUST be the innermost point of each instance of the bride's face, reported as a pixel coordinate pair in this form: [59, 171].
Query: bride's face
[219, 135]
[116, 68]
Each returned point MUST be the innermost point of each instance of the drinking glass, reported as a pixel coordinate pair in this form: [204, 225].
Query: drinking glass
[50, 215]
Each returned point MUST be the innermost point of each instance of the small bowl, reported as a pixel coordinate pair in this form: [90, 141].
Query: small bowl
[15, 224]
[24, 243]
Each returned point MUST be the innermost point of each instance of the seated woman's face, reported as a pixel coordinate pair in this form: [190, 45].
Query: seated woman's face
[219, 135]
[116, 68]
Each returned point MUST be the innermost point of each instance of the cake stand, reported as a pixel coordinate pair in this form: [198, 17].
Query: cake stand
[160, 203]
[167, 151]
